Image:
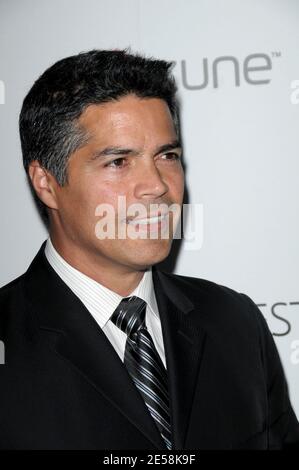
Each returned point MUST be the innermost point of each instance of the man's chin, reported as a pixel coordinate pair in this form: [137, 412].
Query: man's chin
[151, 255]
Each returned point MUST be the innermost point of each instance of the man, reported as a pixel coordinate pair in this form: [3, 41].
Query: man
[102, 350]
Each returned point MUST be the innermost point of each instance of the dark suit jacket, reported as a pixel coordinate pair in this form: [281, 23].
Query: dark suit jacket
[64, 387]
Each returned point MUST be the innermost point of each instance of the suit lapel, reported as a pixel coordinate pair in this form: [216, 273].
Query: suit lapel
[72, 331]
[77, 338]
[184, 348]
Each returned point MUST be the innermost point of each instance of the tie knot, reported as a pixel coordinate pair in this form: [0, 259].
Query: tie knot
[129, 316]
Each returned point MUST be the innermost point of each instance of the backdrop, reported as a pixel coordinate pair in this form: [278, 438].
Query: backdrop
[238, 76]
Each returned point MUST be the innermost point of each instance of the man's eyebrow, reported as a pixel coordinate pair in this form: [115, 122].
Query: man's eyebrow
[127, 151]
[175, 144]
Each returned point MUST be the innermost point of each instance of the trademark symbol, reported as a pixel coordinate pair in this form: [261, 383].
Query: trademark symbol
[276, 54]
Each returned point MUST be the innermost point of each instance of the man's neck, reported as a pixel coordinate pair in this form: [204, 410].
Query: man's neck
[120, 279]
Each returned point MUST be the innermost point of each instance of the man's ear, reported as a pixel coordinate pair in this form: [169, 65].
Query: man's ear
[43, 183]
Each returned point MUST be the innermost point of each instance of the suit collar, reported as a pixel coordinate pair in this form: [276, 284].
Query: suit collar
[164, 282]
[82, 343]
[184, 344]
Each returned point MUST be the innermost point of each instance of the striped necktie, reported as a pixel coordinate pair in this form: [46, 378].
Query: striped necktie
[144, 363]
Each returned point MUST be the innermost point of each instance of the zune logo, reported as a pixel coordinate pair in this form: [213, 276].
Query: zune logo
[252, 69]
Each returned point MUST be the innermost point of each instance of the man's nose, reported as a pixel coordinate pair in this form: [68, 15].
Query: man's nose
[150, 182]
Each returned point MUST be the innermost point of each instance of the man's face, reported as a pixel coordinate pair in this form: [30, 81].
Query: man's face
[132, 152]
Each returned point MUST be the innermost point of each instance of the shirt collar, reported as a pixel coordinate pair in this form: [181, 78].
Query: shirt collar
[98, 299]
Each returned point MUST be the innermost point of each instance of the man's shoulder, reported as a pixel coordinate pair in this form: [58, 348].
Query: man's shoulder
[200, 286]
[10, 300]
[218, 303]
[10, 288]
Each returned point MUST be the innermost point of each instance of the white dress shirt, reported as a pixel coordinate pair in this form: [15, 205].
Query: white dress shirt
[101, 301]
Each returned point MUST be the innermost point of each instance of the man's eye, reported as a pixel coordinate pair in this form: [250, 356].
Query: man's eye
[171, 156]
[117, 163]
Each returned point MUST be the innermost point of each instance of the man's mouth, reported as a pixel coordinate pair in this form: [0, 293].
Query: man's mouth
[149, 220]
[150, 224]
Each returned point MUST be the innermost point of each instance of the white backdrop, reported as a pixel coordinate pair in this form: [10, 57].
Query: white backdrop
[240, 138]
